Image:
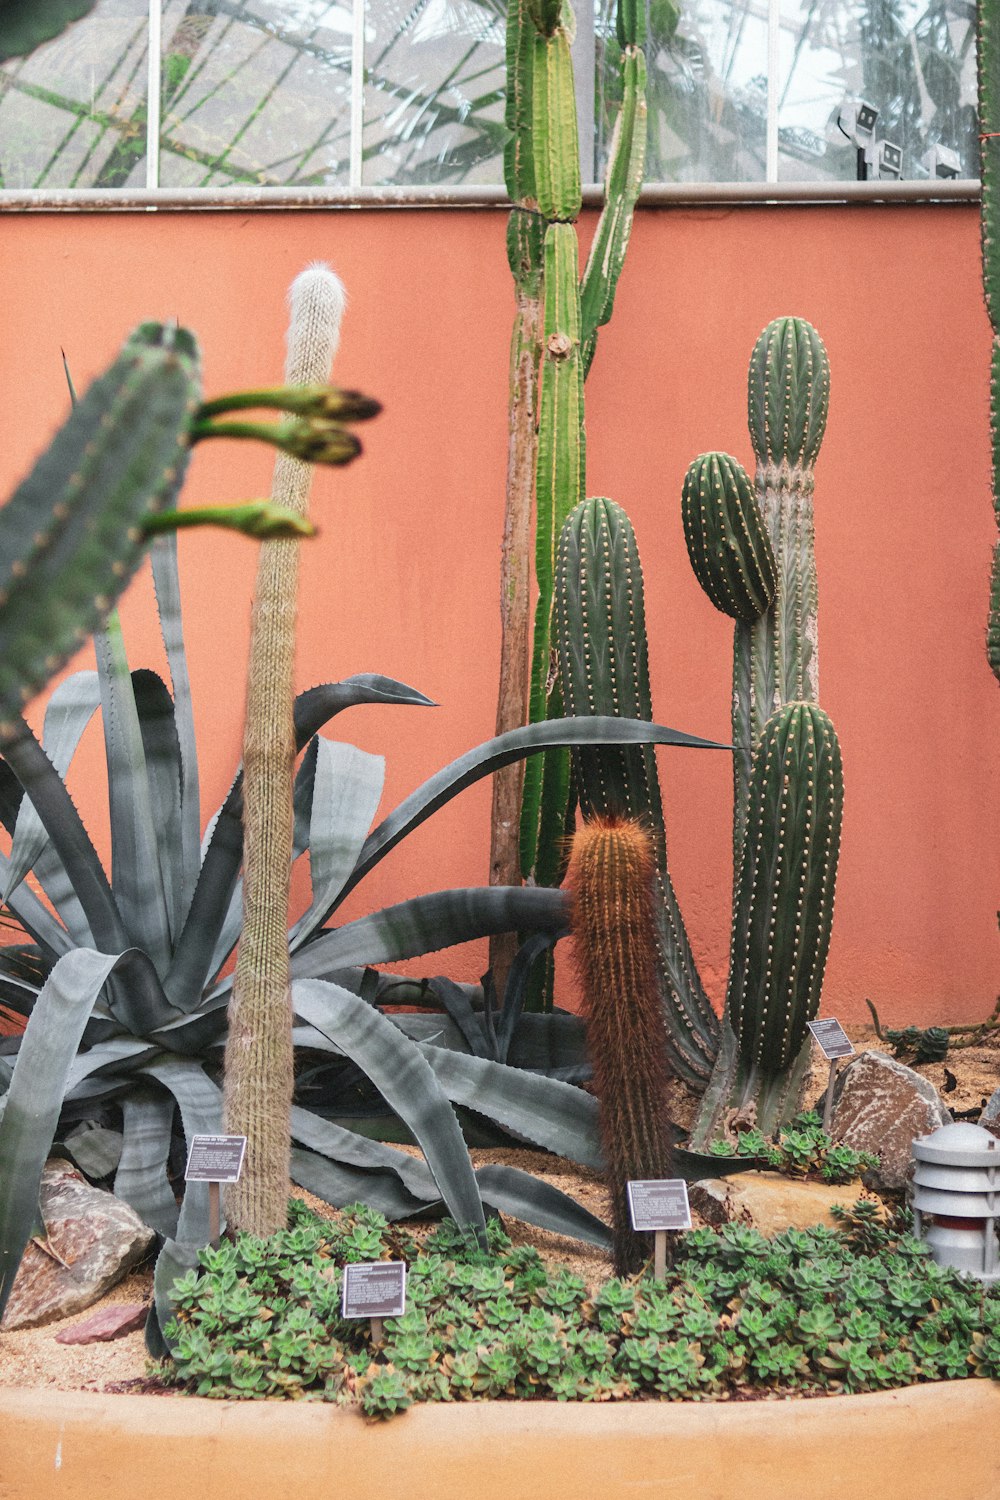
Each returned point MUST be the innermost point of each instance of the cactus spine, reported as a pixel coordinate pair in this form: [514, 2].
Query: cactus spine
[603, 669]
[988, 58]
[258, 1062]
[611, 877]
[555, 333]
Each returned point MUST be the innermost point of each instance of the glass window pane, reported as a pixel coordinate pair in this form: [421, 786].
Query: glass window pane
[73, 113]
[434, 86]
[707, 89]
[256, 92]
[913, 60]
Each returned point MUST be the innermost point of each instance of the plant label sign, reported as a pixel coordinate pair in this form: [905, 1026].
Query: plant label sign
[374, 1289]
[659, 1204]
[832, 1039]
[215, 1158]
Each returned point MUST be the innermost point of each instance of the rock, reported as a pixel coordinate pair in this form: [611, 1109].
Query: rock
[110, 1323]
[93, 1239]
[990, 1117]
[768, 1201]
[879, 1105]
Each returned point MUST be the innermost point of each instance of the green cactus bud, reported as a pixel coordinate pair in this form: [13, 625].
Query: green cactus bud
[320, 403]
[260, 519]
[789, 394]
[313, 442]
[729, 549]
[71, 535]
[993, 626]
[613, 921]
[602, 653]
[784, 912]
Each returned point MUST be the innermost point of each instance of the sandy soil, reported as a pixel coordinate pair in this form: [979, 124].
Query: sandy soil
[31, 1357]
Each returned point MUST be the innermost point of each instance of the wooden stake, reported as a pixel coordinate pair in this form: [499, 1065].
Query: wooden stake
[828, 1105]
[376, 1330]
[660, 1255]
[214, 1217]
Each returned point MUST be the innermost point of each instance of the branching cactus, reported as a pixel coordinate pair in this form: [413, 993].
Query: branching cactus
[988, 55]
[613, 921]
[603, 668]
[557, 318]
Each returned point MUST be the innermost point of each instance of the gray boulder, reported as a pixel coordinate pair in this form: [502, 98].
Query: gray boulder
[92, 1240]
[881, 1106]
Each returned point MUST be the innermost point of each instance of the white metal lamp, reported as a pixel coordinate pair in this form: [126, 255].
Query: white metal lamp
[957, 1184]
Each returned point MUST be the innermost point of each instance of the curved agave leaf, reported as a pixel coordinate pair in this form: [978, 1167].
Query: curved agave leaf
[397, 1069]
[166, 583]
[162, 754]
[537, 1202]
[193, 956]
[135, 866]
[141, 1178]
[340, 1184]
[200, 1103]
[36, 919]
[61, 821]
[544, 1111]
[32, 1103]
[427, 923]
[327, 1139]
[69, 711]
[502, 751]
[347, 789]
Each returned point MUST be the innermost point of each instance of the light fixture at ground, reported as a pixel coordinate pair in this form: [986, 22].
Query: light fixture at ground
[956, 1198]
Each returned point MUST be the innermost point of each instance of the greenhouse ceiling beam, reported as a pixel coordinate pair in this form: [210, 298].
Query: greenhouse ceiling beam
[654, 195]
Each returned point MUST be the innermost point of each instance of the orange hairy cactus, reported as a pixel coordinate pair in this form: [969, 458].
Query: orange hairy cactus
[613, 920]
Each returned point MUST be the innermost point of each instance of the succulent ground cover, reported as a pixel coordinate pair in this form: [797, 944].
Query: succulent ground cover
[809, 1312]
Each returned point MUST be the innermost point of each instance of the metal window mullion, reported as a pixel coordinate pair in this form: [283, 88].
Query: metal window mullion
[153, 77]
[356, 157]
[773, 66]
[584, 77]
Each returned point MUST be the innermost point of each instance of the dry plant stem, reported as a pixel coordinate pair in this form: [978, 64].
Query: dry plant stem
[515, 614]
[259, 1054]
[611, 879]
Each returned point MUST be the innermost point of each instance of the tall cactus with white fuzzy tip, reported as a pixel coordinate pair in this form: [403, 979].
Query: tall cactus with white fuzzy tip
[603, 669]
[558, 314]
[988, 56]
[259, 1052]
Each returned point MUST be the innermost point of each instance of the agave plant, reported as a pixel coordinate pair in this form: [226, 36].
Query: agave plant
[128, 1027]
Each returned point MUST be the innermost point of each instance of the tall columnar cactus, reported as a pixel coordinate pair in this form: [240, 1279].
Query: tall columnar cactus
[988, 55]
[784, 905]
[555, 332]
[613, 921]
[603, 669]
[753, 555]
[258, 1061]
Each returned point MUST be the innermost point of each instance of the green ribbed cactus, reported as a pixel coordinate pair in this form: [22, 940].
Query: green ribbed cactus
[784, 911]
[613, 922]
[557, 317]
[729, 549]
[730, 535]
[988, 57]
[71, 535]
[602, 651]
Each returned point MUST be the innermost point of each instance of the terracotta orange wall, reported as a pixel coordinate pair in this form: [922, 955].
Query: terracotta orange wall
[404, 577]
